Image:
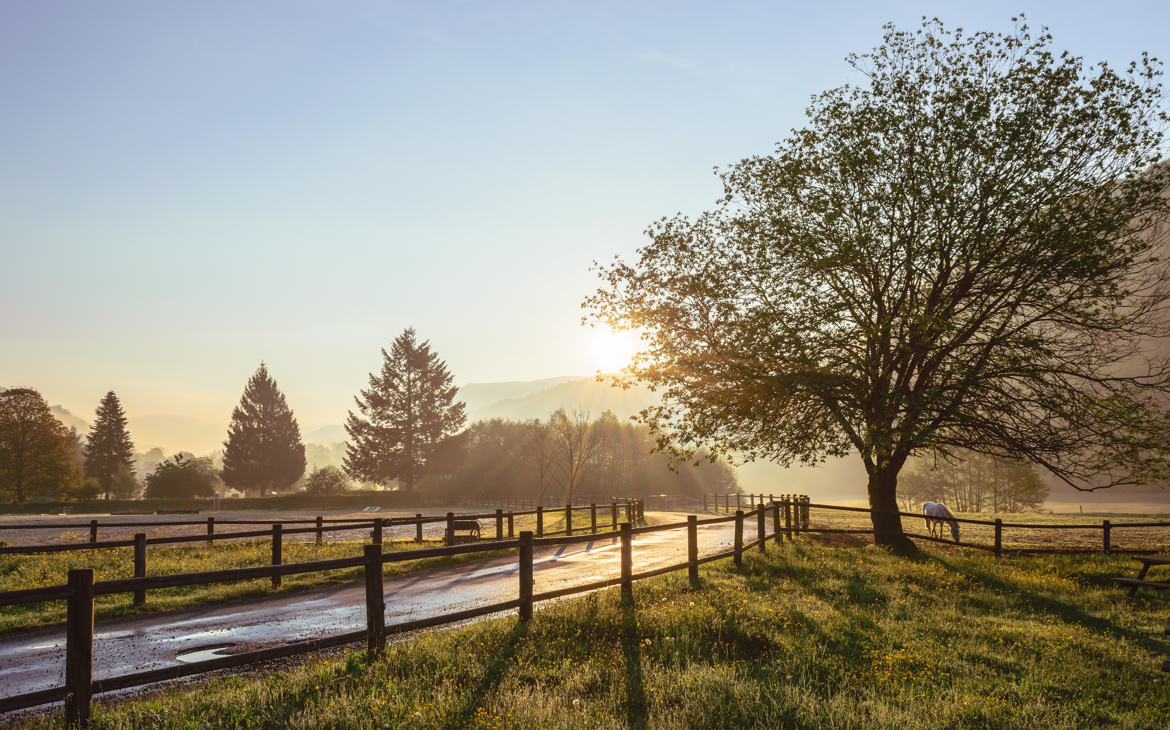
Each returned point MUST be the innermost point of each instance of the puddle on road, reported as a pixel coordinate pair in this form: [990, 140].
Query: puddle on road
[199, 655]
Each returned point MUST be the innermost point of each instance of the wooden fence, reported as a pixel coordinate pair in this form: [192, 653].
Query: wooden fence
[80, 591]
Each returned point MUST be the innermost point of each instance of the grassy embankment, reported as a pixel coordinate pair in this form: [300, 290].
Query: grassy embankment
[806, 636]
[34, 571]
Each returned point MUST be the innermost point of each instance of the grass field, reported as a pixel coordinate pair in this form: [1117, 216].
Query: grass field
[804, 636]
[34, 571]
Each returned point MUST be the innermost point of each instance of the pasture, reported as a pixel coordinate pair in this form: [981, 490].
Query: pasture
[807, 635]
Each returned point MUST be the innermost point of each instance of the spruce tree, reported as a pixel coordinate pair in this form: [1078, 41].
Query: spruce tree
[263, 450]
[108, 447]
[409, 409]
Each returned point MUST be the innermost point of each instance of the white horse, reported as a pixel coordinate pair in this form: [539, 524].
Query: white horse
[936, 513]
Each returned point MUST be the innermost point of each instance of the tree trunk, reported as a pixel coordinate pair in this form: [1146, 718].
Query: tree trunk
[887, 523]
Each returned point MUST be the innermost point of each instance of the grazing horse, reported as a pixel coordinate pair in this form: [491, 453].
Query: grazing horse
[936, 513]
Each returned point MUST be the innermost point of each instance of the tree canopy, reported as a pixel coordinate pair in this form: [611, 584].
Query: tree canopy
[263, 450]
[183, 477]
[39, 457]
[406, 413]
[109, 448]
[961, 252]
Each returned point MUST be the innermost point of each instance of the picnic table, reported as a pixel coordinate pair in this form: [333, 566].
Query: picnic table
[1147, 562]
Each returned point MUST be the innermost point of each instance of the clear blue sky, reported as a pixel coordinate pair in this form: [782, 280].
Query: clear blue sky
[187, 188]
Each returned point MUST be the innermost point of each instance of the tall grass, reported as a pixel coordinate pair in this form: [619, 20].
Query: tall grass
[804, 636]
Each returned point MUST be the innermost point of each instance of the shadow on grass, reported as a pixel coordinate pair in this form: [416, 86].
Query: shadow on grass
[492, 676]
[636, 713]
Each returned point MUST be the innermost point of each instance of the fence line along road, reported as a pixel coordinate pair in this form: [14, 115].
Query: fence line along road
[81, 590]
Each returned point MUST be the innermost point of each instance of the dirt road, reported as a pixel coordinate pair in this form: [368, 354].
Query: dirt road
[34, 660]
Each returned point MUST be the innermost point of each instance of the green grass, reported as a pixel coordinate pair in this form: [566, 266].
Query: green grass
[805, 636]
[34, 571]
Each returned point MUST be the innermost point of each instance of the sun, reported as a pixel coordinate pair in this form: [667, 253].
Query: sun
[611, 351]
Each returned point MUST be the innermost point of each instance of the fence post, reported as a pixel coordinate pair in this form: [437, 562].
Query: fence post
[539, 520]
[139, 566]
[738, 538]
[510, 524]
[777, 534]
[525, 575]
[704, 501]
[375, 600]
[417, 527]
[761, 526]
[320, 534]
[499, 524]
[79, 647]
[450, 537]
[998, 537]
[378, 533]
[210, 530]
[569, 519]
[727, 503]
[627, 563]
[787, 516]
[277, 535]
[1106, 536]
[613, 515]
[693, 550]
[593, 517]
[93, 531]
[805, 503]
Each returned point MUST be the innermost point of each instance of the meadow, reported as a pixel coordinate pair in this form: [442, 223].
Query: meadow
[808, 635]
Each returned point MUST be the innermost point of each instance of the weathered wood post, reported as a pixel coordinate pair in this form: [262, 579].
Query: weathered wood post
[627, 563]
[727, 503]
[613, 510]
[139, 566]
[525, 575]
[1106, 536]
[777, 533]
[79, 647]
[693, 550]
[998, 537]
[417, 527]
[806, 506]
[378, 532]
[761, 527]
[450, 536]
[704, 501]
[210, 530]
[510, 524]
[499, 524]
[277, 545]
[569, 519]
[787, 516]
[751, 500]
[738, 502]
[93, 531]
[738, 538]
[539, 521]
[320, 530]
[375, 600]
[593, 517]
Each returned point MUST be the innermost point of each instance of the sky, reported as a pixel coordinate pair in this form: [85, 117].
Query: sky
[187, 189]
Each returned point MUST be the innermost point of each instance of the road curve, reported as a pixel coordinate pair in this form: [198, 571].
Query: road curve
[35, 660]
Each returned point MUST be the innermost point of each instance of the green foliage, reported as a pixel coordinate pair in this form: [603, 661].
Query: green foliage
[960, 252]
[38, 456]
[109, 449]
[263, 450]
[88, 490]
[183, 476]
[806, 637]
[328, 480]
[406, 415]
[973, 482]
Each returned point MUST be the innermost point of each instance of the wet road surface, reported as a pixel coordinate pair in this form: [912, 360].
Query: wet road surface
[35, 660]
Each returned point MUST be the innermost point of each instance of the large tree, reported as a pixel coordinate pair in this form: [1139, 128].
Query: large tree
[263, 450]
[108, 447]
[183, 477]
[406, 413]
[38, 455]
[961, 252]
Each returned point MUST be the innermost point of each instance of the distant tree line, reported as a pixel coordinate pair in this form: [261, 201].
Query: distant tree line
[968, 481]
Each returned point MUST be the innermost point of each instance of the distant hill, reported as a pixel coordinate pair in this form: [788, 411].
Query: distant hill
[584, 393]
[70, 420]
[330, 434]
[480, 396]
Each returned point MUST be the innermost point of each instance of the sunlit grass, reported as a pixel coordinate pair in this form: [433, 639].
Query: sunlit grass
[19, 572]
[805, 636]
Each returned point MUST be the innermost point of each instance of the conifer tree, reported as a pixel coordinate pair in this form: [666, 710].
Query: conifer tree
[108, 447]
[263, 450]
[409, 409]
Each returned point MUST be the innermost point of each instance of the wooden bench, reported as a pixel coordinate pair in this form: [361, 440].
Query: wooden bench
[1147, 562]
[471, 526]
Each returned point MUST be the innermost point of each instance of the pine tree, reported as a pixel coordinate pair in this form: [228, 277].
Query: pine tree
[407, 412]
[263, 450]
[108, 447]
